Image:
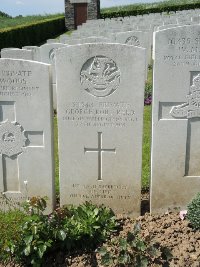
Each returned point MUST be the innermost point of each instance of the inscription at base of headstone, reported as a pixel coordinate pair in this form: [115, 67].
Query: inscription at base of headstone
[100, 117]
[176, 124]
[26, 146]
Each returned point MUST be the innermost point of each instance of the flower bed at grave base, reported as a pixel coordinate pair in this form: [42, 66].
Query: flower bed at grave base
[31, 34]
[96, 238]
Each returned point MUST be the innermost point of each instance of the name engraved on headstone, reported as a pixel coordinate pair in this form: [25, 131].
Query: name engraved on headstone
[95, 114]
[187, 51]
[14, 83]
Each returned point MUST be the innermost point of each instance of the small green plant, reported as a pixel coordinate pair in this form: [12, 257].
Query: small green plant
[35, 234]
[193, 213]
[89, 222]
[82, 227]
[148, 90]
[66, 229]
[133, 250]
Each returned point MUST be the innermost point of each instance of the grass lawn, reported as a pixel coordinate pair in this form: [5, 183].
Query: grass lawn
[146, 150]
[142, 6]
[13, 22]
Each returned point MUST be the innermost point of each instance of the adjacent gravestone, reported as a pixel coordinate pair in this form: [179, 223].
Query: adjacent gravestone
[52, 41]
[100, 117]
[92, 39]
[35, 51]
[138, 39]
[176, 124]
[26, 138]
[135, 38]
[47, 55]
[16, 53]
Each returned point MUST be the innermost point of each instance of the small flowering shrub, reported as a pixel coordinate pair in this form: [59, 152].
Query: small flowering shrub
[148, 94]
[66, 229]
[193, 213]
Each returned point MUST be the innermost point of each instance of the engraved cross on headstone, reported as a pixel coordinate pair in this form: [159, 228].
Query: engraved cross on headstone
[189, 111]
[100, 150]
[14, 140]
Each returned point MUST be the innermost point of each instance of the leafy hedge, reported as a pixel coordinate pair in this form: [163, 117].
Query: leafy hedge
[2, 14]
[31, 34]
[159, 9]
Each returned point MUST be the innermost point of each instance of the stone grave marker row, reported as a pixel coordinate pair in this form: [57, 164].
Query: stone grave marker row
[26, 132]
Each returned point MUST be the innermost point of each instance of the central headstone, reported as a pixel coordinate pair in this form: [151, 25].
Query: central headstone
[100, 118]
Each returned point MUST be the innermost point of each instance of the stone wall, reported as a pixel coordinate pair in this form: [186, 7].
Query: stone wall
[94, 9]
[93, 12]
[69, 15]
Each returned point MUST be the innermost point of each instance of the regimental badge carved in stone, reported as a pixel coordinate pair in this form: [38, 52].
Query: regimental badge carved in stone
[12, 138]
[190, 109]
[52, 54]
[100, 76]
[133, 40]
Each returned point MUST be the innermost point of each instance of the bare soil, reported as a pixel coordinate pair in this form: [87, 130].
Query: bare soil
[167, 229]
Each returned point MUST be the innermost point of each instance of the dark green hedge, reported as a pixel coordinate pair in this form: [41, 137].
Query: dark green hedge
[31, 34]
[4, 15]
[159, 9]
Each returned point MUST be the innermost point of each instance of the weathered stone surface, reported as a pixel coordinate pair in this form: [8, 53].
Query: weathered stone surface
[176, 124]
[92, 39]
[16, 53]
[26, 132]
[100, 117]
[35, 50]
[47, 55]
[138, 39]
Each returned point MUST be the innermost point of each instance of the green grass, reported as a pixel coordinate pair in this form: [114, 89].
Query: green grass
[56, 157]
[147, 5]
[146, 150]
[13, 22]
[10, 223]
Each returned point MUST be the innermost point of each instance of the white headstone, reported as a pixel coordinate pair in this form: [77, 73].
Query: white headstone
[26, 142]
[35, 50]
[47, 55]
[138, 39]
[92, 39]
[176, 124]
[100, 117]
[52, 41]
[17, 53]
